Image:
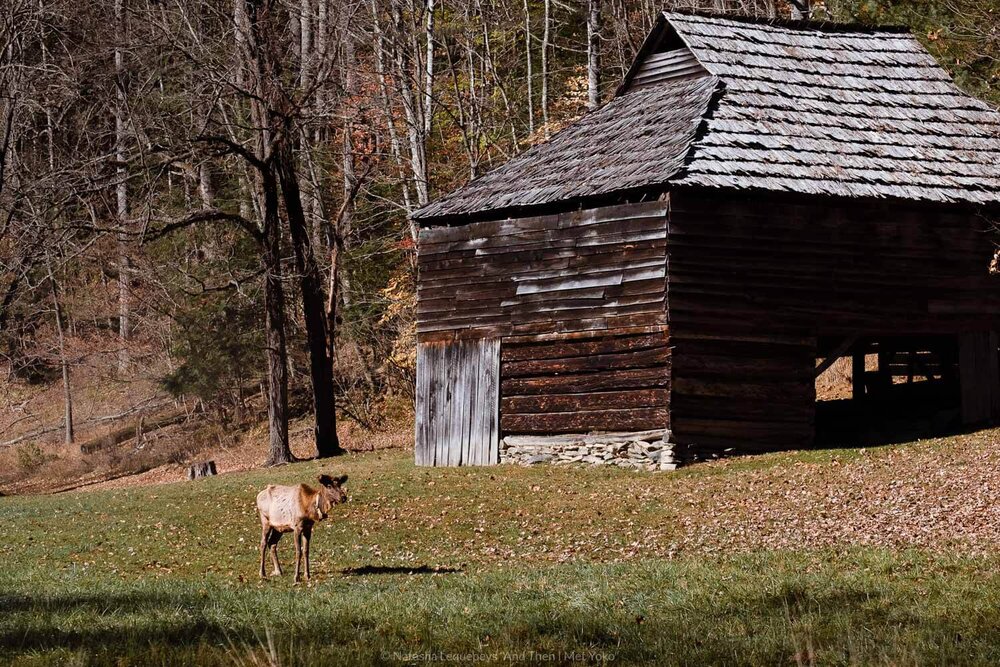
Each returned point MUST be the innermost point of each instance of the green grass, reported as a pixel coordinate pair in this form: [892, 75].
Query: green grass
[508, 565]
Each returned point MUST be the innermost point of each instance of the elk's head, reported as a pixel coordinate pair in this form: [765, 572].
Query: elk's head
[331, 493]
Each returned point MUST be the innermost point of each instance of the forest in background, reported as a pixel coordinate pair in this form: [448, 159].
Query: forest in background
[212, 198]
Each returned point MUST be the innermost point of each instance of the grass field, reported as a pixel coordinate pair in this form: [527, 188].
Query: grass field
[547, 565]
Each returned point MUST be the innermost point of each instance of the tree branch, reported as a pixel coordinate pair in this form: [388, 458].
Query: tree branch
[207, 215]
[234, 148]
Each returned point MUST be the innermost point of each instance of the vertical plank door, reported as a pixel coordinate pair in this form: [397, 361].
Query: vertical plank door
[979, 375]
[457, 412]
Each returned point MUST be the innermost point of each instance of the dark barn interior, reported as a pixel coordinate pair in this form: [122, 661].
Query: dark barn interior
[759, 200]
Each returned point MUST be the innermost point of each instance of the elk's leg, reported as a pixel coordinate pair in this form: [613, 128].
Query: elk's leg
[275, 536]
[264, 531]
[306, 535]
[298, 554]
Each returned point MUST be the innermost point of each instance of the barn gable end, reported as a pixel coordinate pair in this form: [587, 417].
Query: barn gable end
[577, 305]
[676, 64]
[663, 56]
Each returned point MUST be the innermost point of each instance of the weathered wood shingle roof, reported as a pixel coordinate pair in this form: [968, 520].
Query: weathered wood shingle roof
[807, 108]
[852, 114]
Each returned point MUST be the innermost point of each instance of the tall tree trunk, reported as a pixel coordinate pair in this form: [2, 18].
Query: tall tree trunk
[472, 131]
[274, 326]
[414, 120]
[489, 64]
[545, 67]
[56, 304]
[594, 55]
[313, 201]
[530, 76]
[333, 287]
[205, 189]
[305, 43]
[121, 196]
[310, 278]
[394, 143]
[345, 221]
[255, 24]
[462, 120]
[428, 111]
[313, 306]
[63, 362]
[240, 36]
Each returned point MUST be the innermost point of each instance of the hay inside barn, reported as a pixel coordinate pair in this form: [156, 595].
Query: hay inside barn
[663, 280]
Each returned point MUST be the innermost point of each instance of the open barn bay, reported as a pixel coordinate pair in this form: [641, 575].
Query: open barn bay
[709, 565]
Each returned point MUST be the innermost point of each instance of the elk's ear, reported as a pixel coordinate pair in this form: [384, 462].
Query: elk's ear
[325, 480]
[342, 480]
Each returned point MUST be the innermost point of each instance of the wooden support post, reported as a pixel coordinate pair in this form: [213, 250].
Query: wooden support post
[858, 373]
[884, 375]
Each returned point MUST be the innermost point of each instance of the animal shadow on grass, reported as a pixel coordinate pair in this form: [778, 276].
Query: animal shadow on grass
[366, 570]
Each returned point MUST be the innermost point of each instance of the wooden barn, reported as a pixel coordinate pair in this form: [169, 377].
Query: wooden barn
[664, 280]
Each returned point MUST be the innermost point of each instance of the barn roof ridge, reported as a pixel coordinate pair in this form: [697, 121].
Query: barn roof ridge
[760, 104]
[822, 25]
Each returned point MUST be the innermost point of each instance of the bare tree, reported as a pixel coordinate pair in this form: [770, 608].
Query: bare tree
[306, 132]
[593, 54]
[529, 77]
[546, 26]
[121, 190]
[256, 24]
[63, 360]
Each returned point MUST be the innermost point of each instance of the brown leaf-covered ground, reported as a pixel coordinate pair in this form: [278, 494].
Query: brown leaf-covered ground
[938, 495]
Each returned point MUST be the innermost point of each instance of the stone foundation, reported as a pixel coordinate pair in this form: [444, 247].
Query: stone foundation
[642, 450]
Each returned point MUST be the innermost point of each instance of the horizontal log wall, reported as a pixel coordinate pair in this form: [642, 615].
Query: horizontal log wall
[742, 392]
[589, 270]
[754, 279]
[881, 268]
[615, 381]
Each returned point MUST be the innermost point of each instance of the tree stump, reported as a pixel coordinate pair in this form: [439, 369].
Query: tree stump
[206, 469]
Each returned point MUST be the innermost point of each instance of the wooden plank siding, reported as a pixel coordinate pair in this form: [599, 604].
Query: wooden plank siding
[457, 403]
[578, 301]
[700, 314]
[754, 280]
[674, 64]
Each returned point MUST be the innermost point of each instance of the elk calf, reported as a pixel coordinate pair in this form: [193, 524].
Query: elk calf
[294, 509]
